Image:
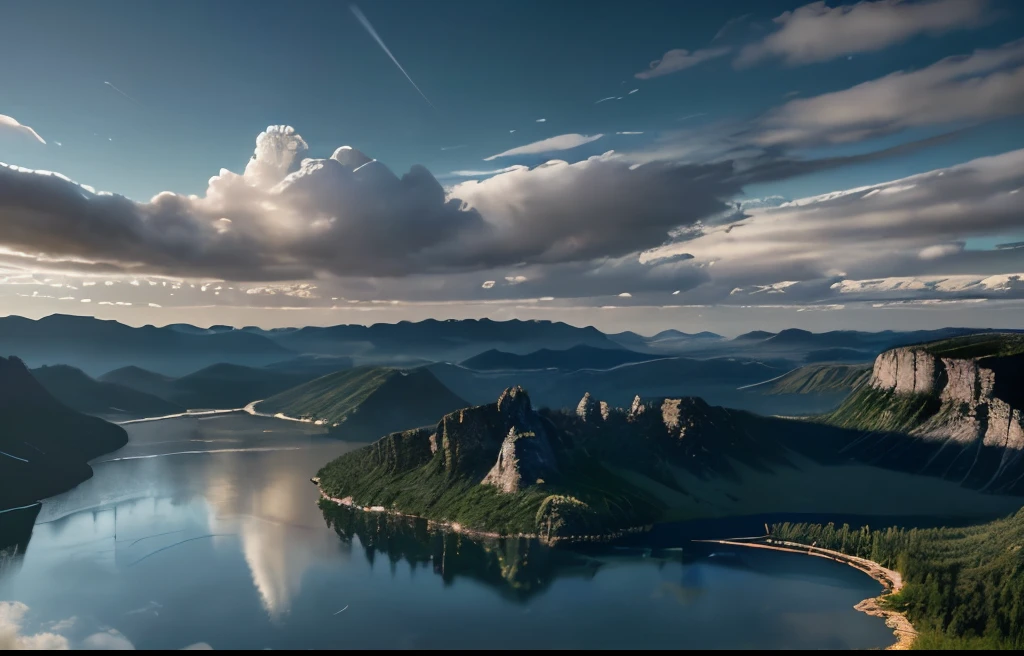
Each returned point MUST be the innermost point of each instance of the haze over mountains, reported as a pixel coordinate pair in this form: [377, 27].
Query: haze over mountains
[98, 346]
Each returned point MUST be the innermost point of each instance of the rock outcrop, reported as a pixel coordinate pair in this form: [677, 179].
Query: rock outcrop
[967, 407]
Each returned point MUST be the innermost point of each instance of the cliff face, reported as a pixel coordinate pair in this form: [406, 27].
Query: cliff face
[969, 410]
[966, 408]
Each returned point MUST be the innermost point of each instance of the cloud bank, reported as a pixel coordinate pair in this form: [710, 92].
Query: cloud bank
[818, 33]
[984, 85]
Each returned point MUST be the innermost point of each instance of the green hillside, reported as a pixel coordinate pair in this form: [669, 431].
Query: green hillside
[367, 402]
[978, 346]
[817, 379]
[75, 389]
[964, 586]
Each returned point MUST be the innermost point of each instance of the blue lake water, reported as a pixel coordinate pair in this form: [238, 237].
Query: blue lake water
[165, 548]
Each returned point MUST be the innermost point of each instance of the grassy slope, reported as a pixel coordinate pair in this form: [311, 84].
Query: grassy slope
[964, 586]
[367, 402]
[870, 409]
[819, 378]
[978, 346]
[331, 397]
[78, 391]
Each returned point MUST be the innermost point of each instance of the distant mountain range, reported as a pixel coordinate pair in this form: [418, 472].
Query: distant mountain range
[97, 346]
[572, 359]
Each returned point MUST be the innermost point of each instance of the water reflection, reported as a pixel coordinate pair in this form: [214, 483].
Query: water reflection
[518, 568]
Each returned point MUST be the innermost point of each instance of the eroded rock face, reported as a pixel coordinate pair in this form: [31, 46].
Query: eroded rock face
[590, 410]
[637, 409]
[907, 371]
[970, 413]
[525, 459]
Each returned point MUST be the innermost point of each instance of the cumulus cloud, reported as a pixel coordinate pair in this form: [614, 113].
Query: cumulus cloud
[816, 32]
[984, 85]
[549, 145]
[913, 227]
[674, 61]
[12, 638]
[292, 218]
[288, 217]
[8, 123]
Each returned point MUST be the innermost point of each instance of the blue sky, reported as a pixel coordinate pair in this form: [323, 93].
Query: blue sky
[193, 83]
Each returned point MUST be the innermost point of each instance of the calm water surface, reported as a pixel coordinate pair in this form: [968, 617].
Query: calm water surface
[165, 548]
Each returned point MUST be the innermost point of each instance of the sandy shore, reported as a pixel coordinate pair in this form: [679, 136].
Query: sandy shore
[890, 579]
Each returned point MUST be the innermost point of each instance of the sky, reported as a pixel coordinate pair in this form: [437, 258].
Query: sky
[631, 165]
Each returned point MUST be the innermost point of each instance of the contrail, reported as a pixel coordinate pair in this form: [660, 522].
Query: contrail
[123, 93]
[376, 37]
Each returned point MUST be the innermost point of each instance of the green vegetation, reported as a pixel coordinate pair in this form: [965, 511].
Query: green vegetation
[978, 346]
[429, 489]
[819, 378]
[964, 587]
[872, 409]
[367, 402]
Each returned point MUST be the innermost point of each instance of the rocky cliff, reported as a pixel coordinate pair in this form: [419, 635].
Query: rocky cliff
[961, 397]
[508, 468]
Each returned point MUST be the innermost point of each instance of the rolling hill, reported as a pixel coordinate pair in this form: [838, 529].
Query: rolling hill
[75, 389]
[367, 402]
[817, 379]
[217, 386]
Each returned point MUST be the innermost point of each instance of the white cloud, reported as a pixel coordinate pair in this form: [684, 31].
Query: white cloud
[632, 92]
[297, 290]
[12, 615]
[8, 123]
[983, 85]
[674, 61]
[515, 280]
[817, 32]
[625, 295]
[629, 133]
[480, 174]
[607, 99]
[109, 640]
[488, 284]
[907, 229]
[541, 120]
[549, 145]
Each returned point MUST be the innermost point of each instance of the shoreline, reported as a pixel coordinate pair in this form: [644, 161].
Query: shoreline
[249, 409]
[456, 527]
[891, 580]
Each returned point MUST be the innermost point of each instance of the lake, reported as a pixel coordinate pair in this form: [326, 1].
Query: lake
[206, 532]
